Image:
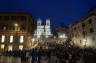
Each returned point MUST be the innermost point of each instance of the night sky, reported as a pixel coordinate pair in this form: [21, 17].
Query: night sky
[59, 11]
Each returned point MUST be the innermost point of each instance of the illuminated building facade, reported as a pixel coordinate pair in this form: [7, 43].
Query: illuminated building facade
[43, 31]
[15, 31]
[61, 32]
[84, 31]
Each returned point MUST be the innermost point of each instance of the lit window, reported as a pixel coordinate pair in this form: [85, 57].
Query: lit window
[2, 46]
[4, 27]
[3, 38]
[10, 48]
[21, 47]
[21, 39]
[11, 39]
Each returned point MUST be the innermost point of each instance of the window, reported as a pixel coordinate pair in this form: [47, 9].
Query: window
[91, 30]
[20, 47]
[0, 27]
[84, 33]
[21, 39]
[6, 17]
[23, 18]
[11, 39]
[0, 17]
[16, 39]
[93, 38]
[13, 17]
[13, 27]
[10, 27]
[2, 46]
[75, 28]
[83, 24]
[90, 21]
[22, 28]
[3, 38]
[10, 48]
[3, 27]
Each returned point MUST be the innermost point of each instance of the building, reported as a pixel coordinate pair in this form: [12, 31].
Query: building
[61, 34]
[84, 31]
[15, 31]
[43, 31]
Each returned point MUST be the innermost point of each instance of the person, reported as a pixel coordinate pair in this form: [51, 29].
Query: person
[34, 55]
[23, 58]
[27, 56]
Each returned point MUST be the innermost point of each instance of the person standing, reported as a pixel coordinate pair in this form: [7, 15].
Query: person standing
[34, 55]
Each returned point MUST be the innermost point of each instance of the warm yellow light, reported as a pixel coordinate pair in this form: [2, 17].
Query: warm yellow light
[62, 36]
[2, 46]
[10, 48]
[3, 38]
[21, 47]
[21, 39]
[11, 39]
[84, 40]
[33, 40]
[15, 24]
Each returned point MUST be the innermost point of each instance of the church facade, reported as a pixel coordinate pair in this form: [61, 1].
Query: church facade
[43, 31]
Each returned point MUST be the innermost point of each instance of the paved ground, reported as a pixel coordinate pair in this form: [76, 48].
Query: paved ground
[10, 59]
[7, 59]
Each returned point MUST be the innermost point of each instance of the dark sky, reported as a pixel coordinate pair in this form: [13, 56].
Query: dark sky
[59, 11]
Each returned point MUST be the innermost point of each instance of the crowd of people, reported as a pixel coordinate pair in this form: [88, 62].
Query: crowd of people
[73, 54]
[63, 54]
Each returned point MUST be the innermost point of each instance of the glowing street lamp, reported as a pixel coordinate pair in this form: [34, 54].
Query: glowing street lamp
[33, 40]
[15, 24]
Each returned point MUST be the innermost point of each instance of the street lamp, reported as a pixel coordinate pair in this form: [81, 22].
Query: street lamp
[33, 40]
[15, 24]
